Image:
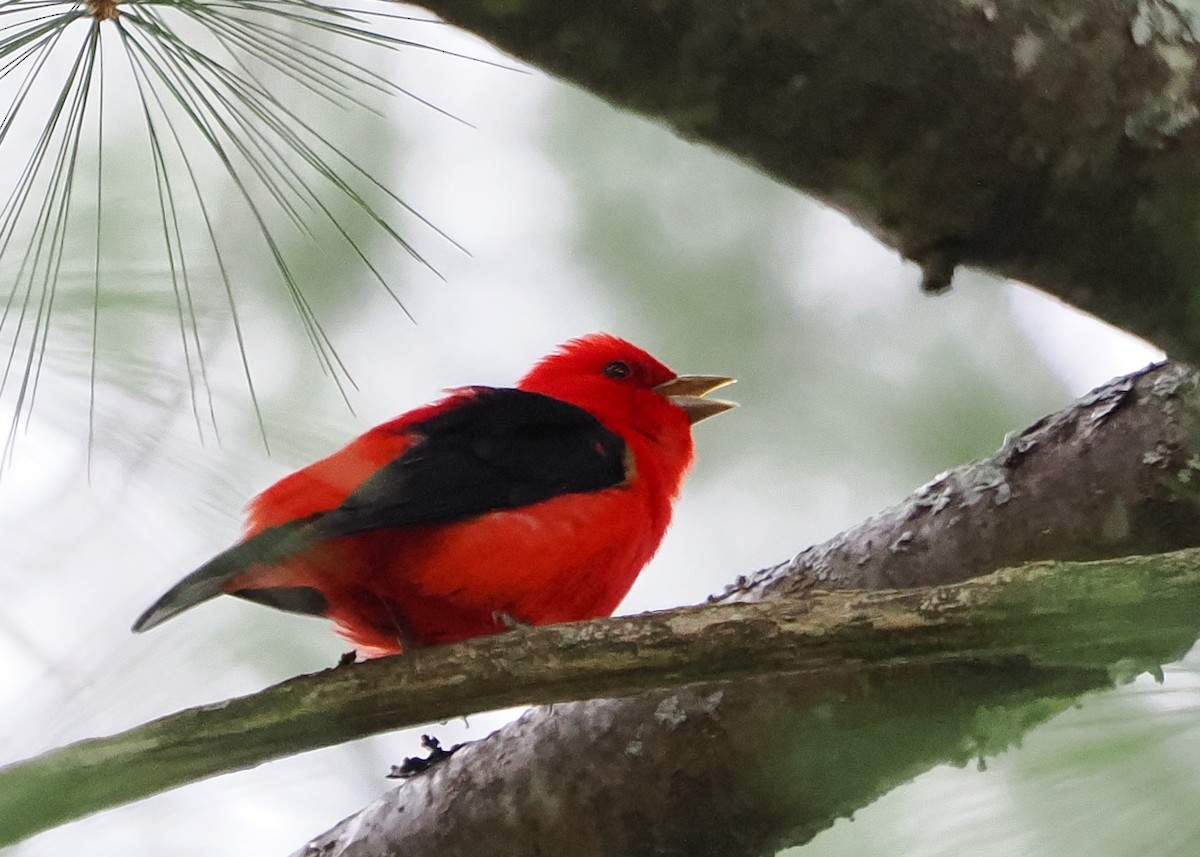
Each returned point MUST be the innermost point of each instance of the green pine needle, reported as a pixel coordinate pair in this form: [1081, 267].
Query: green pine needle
[198, 69]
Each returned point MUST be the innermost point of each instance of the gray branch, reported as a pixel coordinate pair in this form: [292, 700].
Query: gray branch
[745, 767]
[1052, 141]
[1117, 473]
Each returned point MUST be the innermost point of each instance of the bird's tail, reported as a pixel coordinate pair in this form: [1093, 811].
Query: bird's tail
[270, 546]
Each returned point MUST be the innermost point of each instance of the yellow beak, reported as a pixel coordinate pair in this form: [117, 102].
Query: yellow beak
[688, 392]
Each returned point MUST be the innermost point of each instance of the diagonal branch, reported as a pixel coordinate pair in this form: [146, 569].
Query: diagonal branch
[877, 688]
[1116, 473]
[745, 768]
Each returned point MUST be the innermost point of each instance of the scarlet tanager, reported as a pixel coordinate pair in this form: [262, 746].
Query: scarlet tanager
[488, 508]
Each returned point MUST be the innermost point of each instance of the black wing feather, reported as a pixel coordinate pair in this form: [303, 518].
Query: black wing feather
[502, 449]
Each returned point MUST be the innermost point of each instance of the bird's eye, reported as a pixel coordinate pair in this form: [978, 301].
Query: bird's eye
[617, 369]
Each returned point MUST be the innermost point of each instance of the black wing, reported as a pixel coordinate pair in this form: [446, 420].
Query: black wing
[502, 449]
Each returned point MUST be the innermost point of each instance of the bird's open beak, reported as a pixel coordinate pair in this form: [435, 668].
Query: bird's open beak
[688, 392]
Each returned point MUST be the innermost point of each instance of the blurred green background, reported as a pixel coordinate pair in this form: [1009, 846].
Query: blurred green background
[855, 389]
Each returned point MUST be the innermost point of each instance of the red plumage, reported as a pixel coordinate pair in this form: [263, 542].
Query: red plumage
[490, 507]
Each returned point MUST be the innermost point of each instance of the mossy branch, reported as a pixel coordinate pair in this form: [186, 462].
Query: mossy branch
[1136, 610]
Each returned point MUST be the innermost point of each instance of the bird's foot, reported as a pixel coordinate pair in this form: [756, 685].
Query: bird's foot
[413, 765]
[501, 617]
[346, 659]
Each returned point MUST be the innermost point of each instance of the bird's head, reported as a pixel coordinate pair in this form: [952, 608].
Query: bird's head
[600, 371]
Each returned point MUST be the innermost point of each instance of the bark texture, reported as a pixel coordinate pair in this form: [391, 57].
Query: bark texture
[743, 768]
[1052, 141]
[726, 770]
[1115, 474]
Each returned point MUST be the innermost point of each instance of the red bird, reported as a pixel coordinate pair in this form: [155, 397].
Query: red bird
[491, 507]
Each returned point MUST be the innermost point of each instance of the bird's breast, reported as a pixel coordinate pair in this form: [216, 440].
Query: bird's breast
[565, 559]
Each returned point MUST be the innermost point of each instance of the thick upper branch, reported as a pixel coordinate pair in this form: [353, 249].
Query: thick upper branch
[1053, 141]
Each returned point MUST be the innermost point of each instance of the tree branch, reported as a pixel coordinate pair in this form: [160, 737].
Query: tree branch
[1084, 617]
[1113, 472]
[733, 769]
[880, 687]
[1080, 618]
[1052, 141]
